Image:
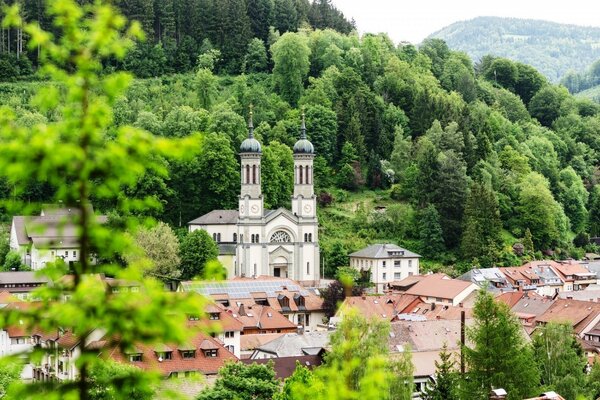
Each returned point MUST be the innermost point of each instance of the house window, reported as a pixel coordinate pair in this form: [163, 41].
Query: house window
[307, 268]
[409, 263]
[188, 354]
[193, 317]
[284, 302]
[215, 316]
[74, 253]
[383, 264]
[235, 238]
[255, 270]
[218, 238]
[190, 373]
[135, 357]
[397, 263]
[229, 334]
[165, 355]
[210, 353]
[384, 276]
[397, 275]
[215, 237]
[230, 348]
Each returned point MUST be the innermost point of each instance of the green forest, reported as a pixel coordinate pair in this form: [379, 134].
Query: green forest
[553, 49]
[420, 146]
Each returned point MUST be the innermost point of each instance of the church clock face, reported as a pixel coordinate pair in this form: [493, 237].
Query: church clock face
[254, 209]
[307, 208]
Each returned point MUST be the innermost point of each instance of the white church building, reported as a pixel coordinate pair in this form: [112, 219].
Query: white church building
[254, 241]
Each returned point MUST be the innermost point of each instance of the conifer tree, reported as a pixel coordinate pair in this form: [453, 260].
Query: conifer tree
[444, 386]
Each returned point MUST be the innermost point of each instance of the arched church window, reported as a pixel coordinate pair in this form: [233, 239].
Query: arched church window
[306, 175]
[254, 174]
[306, 237]
[310, 237]
[300, 175]
[280, 237]
[247, 173]
[218, 238]
[215, 237]
[235, 237]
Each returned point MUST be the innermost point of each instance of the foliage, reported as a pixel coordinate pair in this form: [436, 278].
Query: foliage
[446, 378]
[241, 381]
[103, 159]
[291, 65]
[10, 373]
[128, 377]
[499, 355]
[197, 248]
[13, 261]
[160, 246]
[560, 359]
[335, 294]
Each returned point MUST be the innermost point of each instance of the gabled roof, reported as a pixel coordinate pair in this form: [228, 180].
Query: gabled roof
[384, 251]
[577, 313]
[295, 344]
[22, 277]
[217, 217]
[201, 363]
[439, 285]
[425, 335]
[262, 317]
[54, 228]
[285, 366]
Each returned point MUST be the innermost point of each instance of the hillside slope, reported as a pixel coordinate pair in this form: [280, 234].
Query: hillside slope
[550, 47]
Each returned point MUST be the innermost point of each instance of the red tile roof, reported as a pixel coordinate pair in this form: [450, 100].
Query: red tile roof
[200, 363]
[439, 285]
[578, 313]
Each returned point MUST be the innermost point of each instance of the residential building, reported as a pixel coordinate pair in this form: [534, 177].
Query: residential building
[20, 284]
[425, 340]
[582, 315]
[261, 319]
[575, 276]
[385, 263]
[255, 241]
[285, 367]
[222, 325]
[302, 306]
[294, 345]
[486, 278]
[47, 237]
[441, 289]
[538, 276]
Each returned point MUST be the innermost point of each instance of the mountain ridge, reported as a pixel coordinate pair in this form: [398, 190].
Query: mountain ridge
[551, 47]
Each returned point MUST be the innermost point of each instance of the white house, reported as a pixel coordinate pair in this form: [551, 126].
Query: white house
[386, 263]
[44, 238]
[254, 241]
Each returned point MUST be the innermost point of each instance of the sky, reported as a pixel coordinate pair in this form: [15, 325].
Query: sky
[413, 20]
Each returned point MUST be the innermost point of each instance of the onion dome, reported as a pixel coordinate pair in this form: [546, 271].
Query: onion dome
[303, 146]
[250, 145]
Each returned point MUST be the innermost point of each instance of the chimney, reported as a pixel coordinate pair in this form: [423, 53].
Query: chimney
[242, 311]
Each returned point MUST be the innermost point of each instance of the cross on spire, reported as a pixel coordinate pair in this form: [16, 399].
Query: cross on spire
[250, 123]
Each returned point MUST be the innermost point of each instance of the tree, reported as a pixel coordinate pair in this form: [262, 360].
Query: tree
[430, 232]
[277, 174]
[499, 356]
[504, 72]
[241, 381]
[301, 376]
[12, 261]
[594, 212]
[10, 373]
[481, 237]
[446, 378]
[256, 56]
[127, 375]
[574, 197]
[359, 365]
[206, 84]
[560, 359]
[197, 248]
[546, 104]
[160, 246]
[291, 64]
[104, 159]
[335, 294]
[426, 160]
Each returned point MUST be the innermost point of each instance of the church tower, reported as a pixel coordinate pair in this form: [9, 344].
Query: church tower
[251, 199]
[304, 200]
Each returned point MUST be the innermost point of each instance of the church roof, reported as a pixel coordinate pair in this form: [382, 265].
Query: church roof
[221, 217]
[217, 217]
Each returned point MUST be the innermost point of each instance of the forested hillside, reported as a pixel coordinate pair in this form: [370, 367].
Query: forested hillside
[177, 31]
[462, 163]
[551, 48]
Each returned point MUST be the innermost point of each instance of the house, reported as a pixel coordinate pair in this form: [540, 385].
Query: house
[20, 284]
[529, 308]
[386, 263]
[425, 340]
[441, 289]
[254, 241]
[44, 238]
[222, 325]
[575, 276]
[486, 278]
[538, 276]
[261, 319]
[202, 354]
[294, 345]
[582, 315]
[16, 340]
[300, 305]
[548, 396]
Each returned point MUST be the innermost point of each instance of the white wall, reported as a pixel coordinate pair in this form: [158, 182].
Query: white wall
[386, 266]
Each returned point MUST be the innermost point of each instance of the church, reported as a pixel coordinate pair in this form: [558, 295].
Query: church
[254, 241]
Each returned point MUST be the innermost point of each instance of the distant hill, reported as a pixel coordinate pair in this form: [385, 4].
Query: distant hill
[550, 47]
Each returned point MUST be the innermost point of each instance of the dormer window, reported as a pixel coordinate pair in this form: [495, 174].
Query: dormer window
[210, 353]
[188, 354]
[284, 302]
[215, 316]
[164, 355]
[300, 301]
[136, 357]
[193, 318]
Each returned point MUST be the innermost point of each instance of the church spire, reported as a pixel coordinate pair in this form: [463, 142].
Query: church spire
[250, 145]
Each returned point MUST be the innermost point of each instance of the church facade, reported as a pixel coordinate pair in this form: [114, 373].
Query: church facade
[254, 241]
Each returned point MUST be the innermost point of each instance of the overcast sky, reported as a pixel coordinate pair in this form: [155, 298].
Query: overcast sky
[413, 20]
